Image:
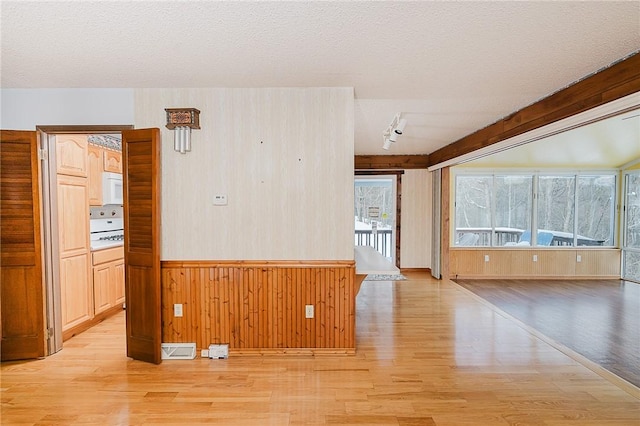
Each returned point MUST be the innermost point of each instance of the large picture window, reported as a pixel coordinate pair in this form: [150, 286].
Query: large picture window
[564, 209]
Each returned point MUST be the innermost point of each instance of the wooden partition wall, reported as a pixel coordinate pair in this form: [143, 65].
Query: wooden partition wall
[259, 307]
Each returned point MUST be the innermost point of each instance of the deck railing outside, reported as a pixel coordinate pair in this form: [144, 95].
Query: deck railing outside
[381, 241]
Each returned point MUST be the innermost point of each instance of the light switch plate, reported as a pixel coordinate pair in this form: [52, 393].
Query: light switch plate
[220, 200]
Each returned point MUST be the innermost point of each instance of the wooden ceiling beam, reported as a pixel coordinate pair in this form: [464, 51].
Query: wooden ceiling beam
[615, 82]
[390, 162]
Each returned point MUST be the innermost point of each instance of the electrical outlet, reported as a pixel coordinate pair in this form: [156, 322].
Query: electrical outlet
[177, 309]
[204, 353]
[486, 257]
[535, 257]
[308, 311]
[578, 258]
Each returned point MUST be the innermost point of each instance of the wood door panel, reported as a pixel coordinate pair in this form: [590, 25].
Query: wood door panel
[94, 173]
[101, 285]
[21, 286]
[112, 161]
[118, 282]
[141, 179]
[73, 214]
[77, 294]
[71, 155]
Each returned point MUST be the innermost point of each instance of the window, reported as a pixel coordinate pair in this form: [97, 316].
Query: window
[513, 208]
[596, 210]
[564, 209]
[556, 198]
[473, 210]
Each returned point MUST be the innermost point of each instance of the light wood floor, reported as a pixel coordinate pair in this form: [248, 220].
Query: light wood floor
[428, 353]
[598, 319]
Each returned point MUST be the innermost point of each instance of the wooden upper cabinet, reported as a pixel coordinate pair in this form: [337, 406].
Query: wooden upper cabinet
[95, 168]
[71, 155]
[112, 161]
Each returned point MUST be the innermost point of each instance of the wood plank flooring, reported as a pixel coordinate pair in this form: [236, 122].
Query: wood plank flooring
[428, 353]
[599, 320]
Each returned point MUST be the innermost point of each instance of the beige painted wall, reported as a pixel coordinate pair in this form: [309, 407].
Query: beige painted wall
[282, 156]
[415, 242]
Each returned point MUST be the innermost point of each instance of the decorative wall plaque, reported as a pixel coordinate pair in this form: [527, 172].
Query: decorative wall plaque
[183, 117]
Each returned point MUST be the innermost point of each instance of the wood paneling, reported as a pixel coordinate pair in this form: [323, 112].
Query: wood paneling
[612, 83]
[260, 306]
[21, 286]
[284, 158]
[519, 263]
[375, 162]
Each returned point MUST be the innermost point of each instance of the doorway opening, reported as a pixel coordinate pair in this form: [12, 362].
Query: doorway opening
[377, 213]
[72, 302]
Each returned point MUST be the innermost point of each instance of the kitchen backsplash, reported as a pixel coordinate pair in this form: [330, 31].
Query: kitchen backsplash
[105, 212]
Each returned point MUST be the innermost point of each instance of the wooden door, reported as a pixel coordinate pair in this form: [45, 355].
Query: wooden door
[141, 181]
[21, 285]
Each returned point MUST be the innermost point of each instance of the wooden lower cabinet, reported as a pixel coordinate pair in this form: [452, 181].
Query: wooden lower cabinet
[77, 303]
[108, 279]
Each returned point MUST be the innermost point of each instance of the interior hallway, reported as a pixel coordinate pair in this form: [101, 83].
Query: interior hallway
[428, 353]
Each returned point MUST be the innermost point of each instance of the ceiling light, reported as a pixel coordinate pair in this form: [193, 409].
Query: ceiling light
[395, 129]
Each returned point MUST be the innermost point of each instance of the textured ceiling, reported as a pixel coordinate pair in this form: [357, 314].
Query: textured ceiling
[449, 67]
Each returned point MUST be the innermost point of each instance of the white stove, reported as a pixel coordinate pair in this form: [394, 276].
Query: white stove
[106, 233]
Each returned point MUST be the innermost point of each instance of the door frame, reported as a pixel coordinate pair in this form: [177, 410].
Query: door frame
[49, 220]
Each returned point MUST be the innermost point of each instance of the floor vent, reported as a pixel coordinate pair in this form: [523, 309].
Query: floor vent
[178, 350]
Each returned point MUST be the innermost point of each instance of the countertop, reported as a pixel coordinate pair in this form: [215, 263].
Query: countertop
[369, 261]
[101, 245]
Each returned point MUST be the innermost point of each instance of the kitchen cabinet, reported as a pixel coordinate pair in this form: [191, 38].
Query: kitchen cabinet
[108, 278]
[95, 168]
[76, 294]
[112, 161]
[74, 250]
[71, 155]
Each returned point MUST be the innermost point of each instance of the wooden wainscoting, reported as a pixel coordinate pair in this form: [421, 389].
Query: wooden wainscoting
[259, 307]
[550, 263]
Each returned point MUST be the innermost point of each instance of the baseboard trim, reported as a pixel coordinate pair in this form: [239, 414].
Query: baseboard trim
[534, 277]
[292, 352]
[77, 329]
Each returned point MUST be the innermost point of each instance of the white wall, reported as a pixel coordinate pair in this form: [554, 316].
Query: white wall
[283, 157]
[24, 109]
[415, 241]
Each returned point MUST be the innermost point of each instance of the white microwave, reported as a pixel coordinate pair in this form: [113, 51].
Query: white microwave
[111, 188]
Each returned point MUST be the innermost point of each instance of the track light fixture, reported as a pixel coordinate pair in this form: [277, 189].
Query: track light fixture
[395, 129]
